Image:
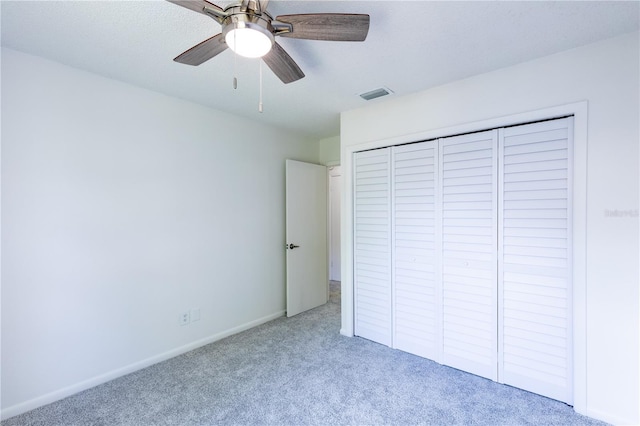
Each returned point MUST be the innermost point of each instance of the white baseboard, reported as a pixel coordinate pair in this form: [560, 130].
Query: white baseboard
[59, 394]
[345, 333]
[611, 419]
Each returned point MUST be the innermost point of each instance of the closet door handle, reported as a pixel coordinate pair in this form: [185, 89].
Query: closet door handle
[292, 246]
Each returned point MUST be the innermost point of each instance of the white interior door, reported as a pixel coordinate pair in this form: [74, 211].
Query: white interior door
[535, 258]
[335, 184]
[416, 292]
[306, 239]
[372, 238]
[469, 252]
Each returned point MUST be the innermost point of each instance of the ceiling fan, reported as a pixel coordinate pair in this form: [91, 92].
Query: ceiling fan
[249, 30]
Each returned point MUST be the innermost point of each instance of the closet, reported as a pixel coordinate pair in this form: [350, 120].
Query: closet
[462, 252]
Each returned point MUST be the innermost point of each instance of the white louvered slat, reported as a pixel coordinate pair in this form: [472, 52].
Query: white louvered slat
[469, 223]
[534, 262]
[372, 254]
[416, 305]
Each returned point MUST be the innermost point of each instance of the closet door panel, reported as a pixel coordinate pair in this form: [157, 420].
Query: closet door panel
[469, 225]
[415, 296]
[372, 241]
[534, 262]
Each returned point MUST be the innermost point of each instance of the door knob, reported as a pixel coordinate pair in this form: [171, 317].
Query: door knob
[292, 246]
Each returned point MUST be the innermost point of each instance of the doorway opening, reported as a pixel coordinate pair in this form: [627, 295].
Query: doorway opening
[335, 194]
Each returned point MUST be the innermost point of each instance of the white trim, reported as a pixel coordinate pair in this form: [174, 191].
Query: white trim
[59, 394]
[328, 237]
[439, 247]
[606, 417]
[579, 270]
[579, 110]
[570, 234]
[500, 253]
[330, 223]
[392, 243]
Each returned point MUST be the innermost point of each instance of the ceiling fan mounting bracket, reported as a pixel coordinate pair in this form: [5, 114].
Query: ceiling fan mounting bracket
[218, 15]
[281, 27]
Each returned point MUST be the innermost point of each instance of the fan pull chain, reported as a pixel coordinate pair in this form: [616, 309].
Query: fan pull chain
[235, 63]
[260, 101]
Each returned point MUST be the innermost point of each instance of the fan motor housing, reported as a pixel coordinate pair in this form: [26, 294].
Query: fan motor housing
[235, 15]
[238, 19]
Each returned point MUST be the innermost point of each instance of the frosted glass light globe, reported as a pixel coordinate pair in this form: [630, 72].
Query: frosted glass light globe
[248, 42]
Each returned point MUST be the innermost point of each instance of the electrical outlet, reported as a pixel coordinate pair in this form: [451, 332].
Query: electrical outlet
[195, 314]
[185, 318]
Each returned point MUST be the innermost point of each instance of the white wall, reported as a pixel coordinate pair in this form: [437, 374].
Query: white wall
[606, 76]
[329, 150]
[122, 208]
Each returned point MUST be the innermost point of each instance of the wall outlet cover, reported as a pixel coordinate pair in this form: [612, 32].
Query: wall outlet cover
[184, 318]
[195, 314]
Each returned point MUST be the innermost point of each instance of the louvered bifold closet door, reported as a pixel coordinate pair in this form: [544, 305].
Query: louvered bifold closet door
[468, 166]
[372, 254]
[535, 262]
[416, 303]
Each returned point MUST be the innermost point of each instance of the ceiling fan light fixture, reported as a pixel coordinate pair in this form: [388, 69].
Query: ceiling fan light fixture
[248, 40]
[249, 30]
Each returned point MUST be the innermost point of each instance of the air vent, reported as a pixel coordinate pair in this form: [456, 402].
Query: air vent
[376, 93]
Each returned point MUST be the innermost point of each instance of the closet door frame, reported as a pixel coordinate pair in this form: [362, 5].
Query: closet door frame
[579, 111]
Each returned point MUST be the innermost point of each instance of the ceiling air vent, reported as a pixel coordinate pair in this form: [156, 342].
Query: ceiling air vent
[376, 93]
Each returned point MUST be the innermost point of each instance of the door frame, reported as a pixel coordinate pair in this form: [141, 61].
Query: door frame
[330, 224]
[579, 111]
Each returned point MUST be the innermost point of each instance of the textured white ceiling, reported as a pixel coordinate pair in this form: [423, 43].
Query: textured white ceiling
[412, 45]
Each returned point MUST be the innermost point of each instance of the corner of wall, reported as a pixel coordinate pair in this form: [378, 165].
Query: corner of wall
[329, 151]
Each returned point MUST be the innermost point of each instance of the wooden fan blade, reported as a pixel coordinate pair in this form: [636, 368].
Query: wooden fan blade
[204, 51]
[196, 5]
[282, 65]
[327, 26]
